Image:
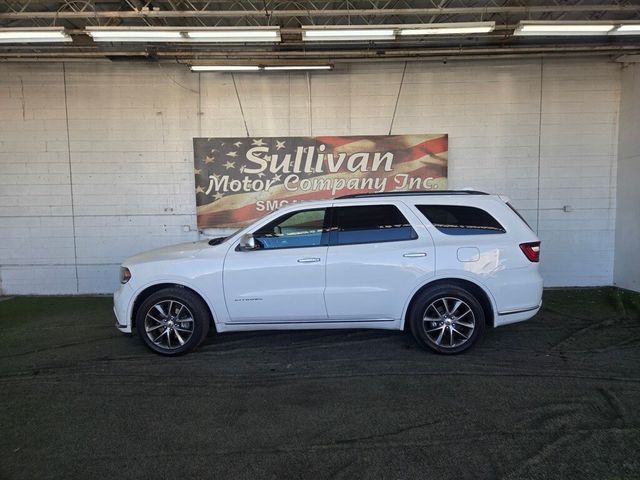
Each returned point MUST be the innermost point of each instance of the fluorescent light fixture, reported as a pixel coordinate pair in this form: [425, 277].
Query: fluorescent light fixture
[627, 29]
[297, 67]
[184, 34]
[229, 35]
[34, 35]
[225, 68]
[448, 28]
[562, 28]
[125, 34]
[256, 68]
[330, 34]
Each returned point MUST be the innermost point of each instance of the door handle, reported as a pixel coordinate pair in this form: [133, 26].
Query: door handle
[308, 260]
[415, 254]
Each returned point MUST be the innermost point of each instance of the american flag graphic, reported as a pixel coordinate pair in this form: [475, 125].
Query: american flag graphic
[239, 180]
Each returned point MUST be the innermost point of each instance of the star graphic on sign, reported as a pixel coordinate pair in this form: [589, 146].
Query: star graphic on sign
[210, 159]
[229, 165]
[237, 144]
[232, 154]
[197, 171]
[280, 144]
[199, 189]
[218, 196]
[213, 150]
[276, 178]
[258, 142]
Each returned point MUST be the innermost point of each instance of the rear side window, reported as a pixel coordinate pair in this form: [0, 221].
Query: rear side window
[370, 224]
[461, 220]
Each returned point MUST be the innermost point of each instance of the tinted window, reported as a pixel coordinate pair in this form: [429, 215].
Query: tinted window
[460, 220]
[369, 224]
[298, 229]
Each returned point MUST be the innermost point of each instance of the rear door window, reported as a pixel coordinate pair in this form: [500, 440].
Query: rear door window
[461, 220]
[370, 224]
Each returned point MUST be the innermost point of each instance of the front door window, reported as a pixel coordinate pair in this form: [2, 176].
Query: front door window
[304, 228]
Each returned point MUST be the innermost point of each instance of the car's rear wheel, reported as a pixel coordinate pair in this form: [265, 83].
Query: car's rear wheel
[173, 321]
[447, 319]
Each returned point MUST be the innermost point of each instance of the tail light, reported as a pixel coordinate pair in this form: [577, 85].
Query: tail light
[531, 251]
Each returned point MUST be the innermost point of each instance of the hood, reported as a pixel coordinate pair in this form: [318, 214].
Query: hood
[172, 252]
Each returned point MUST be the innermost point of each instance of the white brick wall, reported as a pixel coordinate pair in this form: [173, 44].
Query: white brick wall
[128, 147]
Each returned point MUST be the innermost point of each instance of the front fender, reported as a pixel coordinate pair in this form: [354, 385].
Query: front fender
[184, 282]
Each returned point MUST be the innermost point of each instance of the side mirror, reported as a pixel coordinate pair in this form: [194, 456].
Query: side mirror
[248, 242]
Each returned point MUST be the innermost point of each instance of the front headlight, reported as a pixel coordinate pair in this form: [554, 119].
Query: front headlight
[125, 275]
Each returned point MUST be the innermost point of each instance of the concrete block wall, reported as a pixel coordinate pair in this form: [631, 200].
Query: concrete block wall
[96, 164]
[96, 159]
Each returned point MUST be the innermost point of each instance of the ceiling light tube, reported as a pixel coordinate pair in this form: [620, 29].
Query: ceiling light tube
[134, 35]
[448, 28]
[225, 68]
[627, 29]
[297, 67]
[562, 28]
[34, 35]
[184, 34]
[346, 33]
[230, 35]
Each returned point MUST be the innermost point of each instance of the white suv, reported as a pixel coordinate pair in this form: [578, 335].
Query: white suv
[443, 264]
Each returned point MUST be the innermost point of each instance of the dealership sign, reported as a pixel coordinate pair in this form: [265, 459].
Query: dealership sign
[241, 179]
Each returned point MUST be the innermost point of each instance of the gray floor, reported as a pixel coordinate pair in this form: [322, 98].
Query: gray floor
[555, 397]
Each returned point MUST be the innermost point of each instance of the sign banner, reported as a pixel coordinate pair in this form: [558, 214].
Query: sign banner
[241, 179]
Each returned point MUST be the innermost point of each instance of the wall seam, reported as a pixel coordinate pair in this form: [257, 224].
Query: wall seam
[539, 148]
[309, 103]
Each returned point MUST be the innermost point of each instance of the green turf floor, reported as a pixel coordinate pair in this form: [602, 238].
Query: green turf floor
[554, 397]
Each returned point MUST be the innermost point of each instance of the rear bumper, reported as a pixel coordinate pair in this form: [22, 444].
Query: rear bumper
[517, 293]
[514, 316]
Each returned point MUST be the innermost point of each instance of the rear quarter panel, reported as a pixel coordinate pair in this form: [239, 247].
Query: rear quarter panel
[493, 261]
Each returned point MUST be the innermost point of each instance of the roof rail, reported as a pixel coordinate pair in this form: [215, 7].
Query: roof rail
[411, 193]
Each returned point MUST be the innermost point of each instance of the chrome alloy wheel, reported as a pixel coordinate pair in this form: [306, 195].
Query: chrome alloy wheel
[169, 324]
[448, 322]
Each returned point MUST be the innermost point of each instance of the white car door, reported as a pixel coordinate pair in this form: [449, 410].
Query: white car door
[378, 253]
[283, 280]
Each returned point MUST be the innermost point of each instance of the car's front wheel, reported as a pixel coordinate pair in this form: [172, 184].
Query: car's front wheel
[447, 318]
[173, 321]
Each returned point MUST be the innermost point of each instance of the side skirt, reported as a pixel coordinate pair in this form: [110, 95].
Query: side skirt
[328, 325]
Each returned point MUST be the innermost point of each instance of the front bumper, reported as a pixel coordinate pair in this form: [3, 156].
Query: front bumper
[121, 303]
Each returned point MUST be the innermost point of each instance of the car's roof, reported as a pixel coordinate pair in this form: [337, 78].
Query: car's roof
[414, 193]
[413, 196]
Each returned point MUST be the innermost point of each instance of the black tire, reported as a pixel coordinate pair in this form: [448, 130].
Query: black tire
[436, 314]
[181, 308]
